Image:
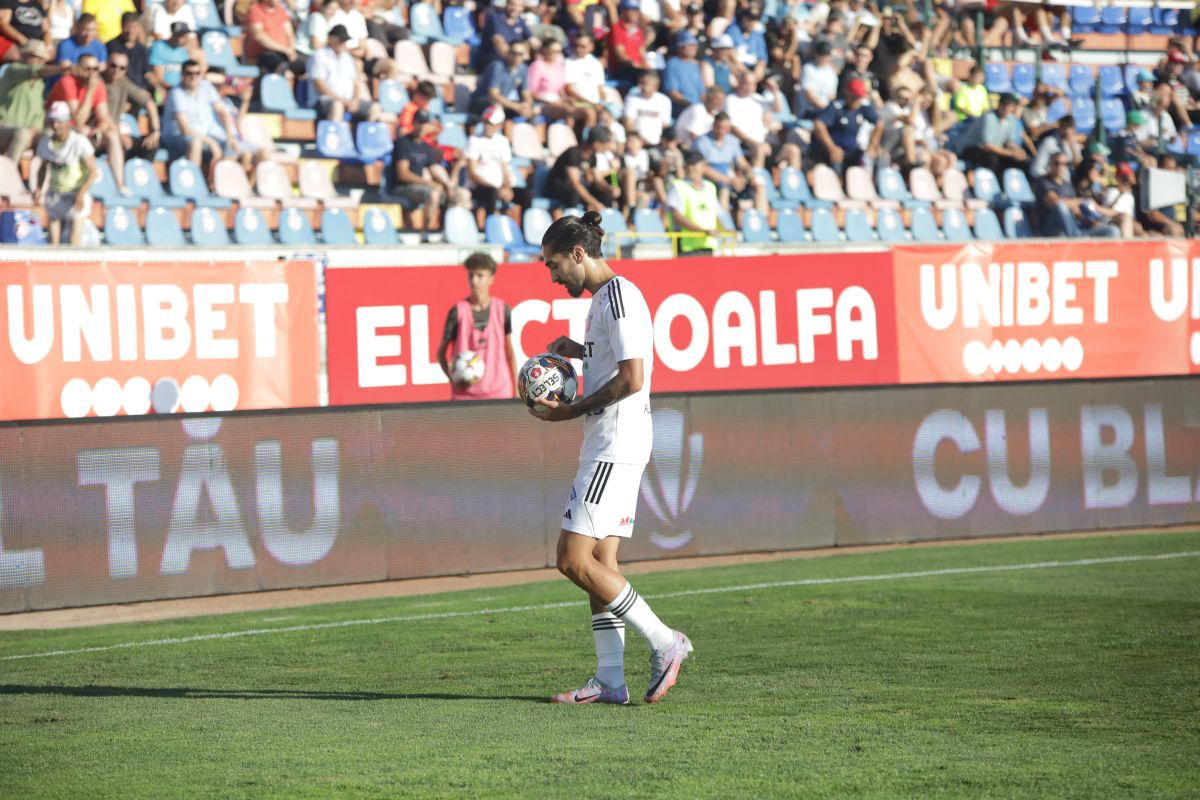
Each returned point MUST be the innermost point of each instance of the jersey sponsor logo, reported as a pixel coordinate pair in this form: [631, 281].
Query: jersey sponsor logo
[625, 521]
[670, 480]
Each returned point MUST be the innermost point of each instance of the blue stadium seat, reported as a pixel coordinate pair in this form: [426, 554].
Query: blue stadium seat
[790, 227]
[890, 185]
[1084, 19]
[1023, 79]
[295, 230]
[1054, 75]
[424, 25]
[393, 97]
[1112, 20]
[889, 226]
[121, 228]
[452, 135]
[207, 16]
[1016, 224]
[1057, 110]
[793, 188]
[208, 229]
[1166, 21]
[996, 77]
[987, 185]
[1082, 80]
[501, 229]
[105, 188]
[457, 24]
[251, 229]
[373, 140]
[613, 223]
[755, 229]
[536, 220]
[219, 53]
[1193, 143]
[188, 182]
[1112, 114]
[1083, 107]
[276, 97]
[954, 225]
[858, 229]
[1112, 81]
[378, 229]
[21, 227]
[336, 228]
[775, 198]
[647, 222]
[162, 229]
[334, 139]
[1139, 20]
[987, 226]
[141, 179]
[1017, 188]
[458, 226]
[824, 227]
[923, 227]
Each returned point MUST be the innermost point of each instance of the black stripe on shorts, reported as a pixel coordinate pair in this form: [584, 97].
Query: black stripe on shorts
[599, 481]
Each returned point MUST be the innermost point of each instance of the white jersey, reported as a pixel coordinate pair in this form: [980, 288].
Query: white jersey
[618, 328]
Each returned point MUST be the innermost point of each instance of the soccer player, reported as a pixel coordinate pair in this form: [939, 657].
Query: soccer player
[617, 438]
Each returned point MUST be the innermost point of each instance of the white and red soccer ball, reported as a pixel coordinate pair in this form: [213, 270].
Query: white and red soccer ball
[547, 376]
[467, 367]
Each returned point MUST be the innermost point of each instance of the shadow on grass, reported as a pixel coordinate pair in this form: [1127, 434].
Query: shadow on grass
[187, 693]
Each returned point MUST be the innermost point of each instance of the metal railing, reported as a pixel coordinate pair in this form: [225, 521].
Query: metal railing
[726, 241]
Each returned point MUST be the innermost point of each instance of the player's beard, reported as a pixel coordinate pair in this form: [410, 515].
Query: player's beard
[575, 290]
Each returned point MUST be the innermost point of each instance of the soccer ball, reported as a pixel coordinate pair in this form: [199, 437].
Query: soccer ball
[467, 367]
[547, 377]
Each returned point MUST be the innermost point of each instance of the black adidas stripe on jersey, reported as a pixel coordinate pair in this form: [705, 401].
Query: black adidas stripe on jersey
[616, 302]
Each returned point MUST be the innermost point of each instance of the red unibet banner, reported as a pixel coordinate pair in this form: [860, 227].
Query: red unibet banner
[733, 323]
[103, 339]
[1017, 311]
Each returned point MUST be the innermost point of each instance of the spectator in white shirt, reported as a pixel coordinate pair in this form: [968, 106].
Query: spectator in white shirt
[697, 119]
[489, 165]
[339, 83]
[647, 110]
[355, 24]
[585, 77]
[170, 12]
[311, 35]
[818, 80]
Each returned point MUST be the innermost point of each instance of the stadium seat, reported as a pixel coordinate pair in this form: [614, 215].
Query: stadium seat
[824, 227]
[393, 97]
[1017, 188]
[219, 53]
[105, 188]
[858, 228]
[987, 226]
[459, 227]
[207, 16]
[1112, 20]
[295, 230]
[1023, 79]
[373, 140]
[1139, 20]
[954, 225]
[755, 229]
[1054, 75]
[1112, 114]
[335, 140]
[614, 225]
[1165, 21]
[987, 185]
[826, 186]
[121, 228]
[1016, 224]
[336, 228]
[273, 182]
[793, 188]
[536, 220]
[955, 189]
[1130, 74]
[316, 183]
[648, 223]
[1084, 18]
[141, 179]
[1083, 107]
[277, 98]
[923, 187]
[378, 229]
[1082, 80]
[452, 135]
[501, 229]
[208, 229]
[229, 180]
[443, 60]
[21, 227]
[251, 229]
[859, 186]
[923, 227]
[458, 25]
[889, 226]
[188, 182]
[1057, 110]
[775, 198]
[996, 77]
[790, 227]
[424, 25]
[410, 58]
[525, 142]
[162, 229]
[1112, 81]
[12, 188]
[891, 187]
[560, 138]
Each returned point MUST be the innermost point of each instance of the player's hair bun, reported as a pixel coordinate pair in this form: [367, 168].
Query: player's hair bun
[593, 220]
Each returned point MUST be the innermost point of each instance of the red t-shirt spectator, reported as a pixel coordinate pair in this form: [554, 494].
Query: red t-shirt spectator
[632, 40]
[274, 23]
[69, 89]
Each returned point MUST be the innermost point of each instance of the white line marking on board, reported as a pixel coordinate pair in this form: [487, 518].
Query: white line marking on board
[891, 576]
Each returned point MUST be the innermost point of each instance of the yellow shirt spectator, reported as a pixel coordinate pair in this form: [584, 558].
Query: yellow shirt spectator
[108, 16]
[971, 101]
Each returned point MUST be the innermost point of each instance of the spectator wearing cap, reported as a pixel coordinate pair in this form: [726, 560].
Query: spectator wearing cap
[547, 82]
[489, 165]
[271, 39]
[971, 98]
[994, 141]
[627, 44]
[81, 41]
[697, 119]
[167, 58]
[1143, 96]
[722, 68]
[197, 124]
[417, 172]
[502, 27]
[1060, 140]
[1125, 144]
[584, 78]
[70, 163]
[504, 83]
[22, 104]
[726, 166]
[1060, 209]
[837, 131]
[85, 93]
[108, 15]
[339, 82]
[126, 96]
[132, 44]
[683, 80]
[695, 208]
[818, 82]
[647, 110]
[352, 19]
[166, 15]
[573, 181]
[21, 21]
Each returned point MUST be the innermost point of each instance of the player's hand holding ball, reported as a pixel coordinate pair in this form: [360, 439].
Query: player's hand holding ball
[566, 347]
[547, 384]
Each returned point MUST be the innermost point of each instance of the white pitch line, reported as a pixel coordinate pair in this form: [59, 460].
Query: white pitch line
[891, 576]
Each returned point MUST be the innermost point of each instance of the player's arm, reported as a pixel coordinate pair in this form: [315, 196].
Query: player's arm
[627, 381]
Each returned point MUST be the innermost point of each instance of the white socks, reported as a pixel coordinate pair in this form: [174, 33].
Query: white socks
[631, 608]
[609, 633]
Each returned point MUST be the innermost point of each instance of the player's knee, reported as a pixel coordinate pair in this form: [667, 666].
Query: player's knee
[568, 565]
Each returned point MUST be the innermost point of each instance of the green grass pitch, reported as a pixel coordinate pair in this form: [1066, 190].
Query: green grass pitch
[1069, 680]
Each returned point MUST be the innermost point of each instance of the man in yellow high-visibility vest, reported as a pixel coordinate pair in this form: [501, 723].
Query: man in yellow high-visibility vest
[696, 208]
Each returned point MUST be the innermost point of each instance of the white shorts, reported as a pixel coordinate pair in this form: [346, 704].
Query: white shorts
[603, 499]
